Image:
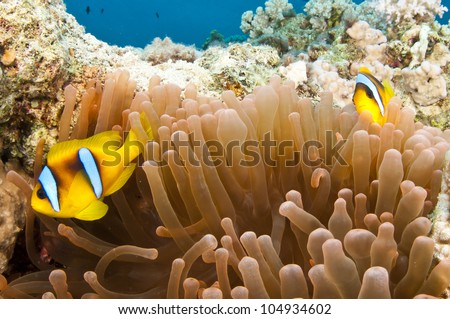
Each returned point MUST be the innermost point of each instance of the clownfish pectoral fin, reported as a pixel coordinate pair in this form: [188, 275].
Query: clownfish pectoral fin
[146, 125]
[123, 178]
[96, 210]
[131, 148]
[136, 140]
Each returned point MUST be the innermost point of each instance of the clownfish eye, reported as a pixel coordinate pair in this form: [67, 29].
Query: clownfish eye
[41, 194]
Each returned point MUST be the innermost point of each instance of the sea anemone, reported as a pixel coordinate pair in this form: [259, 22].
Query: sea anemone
[267, 196]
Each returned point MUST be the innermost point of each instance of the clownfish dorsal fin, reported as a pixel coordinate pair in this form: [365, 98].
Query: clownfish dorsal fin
[96, 143]
[363, 69]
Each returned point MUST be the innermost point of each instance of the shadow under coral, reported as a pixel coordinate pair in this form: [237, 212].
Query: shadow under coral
[268, 196]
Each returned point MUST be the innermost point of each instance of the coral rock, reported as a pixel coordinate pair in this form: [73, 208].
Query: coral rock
[163, 50]
[12, 217]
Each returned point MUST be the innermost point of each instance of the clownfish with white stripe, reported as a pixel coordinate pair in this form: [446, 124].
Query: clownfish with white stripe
[372, 95]
[80, 173]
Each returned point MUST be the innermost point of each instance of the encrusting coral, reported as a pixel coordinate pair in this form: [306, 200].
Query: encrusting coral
[268, 196]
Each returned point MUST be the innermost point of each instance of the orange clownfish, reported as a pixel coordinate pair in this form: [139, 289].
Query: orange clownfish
[80, 173]
[372, 95]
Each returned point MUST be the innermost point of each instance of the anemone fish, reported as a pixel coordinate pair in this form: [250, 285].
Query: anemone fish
[80, 173]
[372, 95]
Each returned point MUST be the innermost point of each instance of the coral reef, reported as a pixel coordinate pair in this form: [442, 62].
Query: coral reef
[268, 196]
[393, 46]
[65, 53]
[292, 227]
[42, 48]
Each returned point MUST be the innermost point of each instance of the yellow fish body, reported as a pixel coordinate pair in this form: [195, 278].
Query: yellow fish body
[80, 173]
[372, 95]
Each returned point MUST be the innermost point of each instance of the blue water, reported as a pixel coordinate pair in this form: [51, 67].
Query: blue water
[138, 22]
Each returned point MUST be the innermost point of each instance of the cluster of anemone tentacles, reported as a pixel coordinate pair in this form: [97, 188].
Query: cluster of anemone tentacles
[268, 196]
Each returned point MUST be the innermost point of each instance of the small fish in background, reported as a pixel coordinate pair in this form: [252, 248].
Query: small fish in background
[157, 15]
[77, 177]
[88, 9]
[372, 95]
[102, 10]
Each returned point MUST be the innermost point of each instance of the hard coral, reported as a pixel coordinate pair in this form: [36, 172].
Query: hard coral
[364, 35]
[408, 11]
[425, 83]
[239, 65]
[163, 50]
[326, 14]
[264, 21]
[277, 197]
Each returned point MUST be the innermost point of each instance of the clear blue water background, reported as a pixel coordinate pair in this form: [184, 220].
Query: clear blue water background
[138, 22]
